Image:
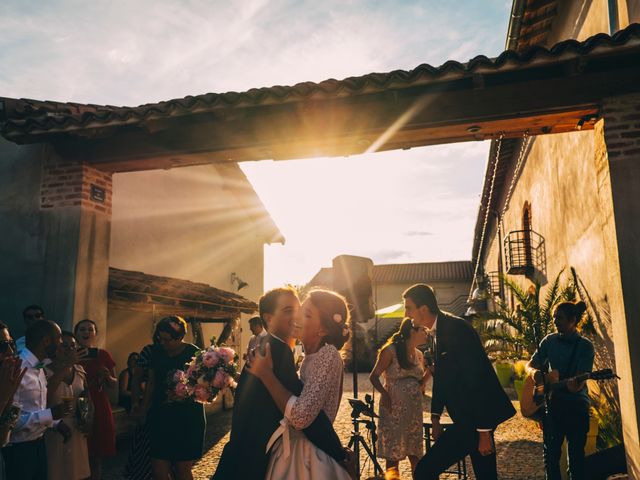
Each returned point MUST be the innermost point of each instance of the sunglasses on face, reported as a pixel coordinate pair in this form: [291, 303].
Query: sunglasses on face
[6, 344]
[37, 315]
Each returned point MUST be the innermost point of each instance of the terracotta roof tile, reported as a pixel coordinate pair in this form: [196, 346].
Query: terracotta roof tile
[144, 288]
[32, 117]
[459, 271]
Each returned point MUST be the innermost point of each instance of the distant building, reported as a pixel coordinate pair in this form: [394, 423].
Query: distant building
[199, 224]
[451, 280]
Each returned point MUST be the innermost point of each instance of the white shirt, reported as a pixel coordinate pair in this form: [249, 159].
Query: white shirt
[20, 345]
[31, 395]
[432, 330]
[254, 341]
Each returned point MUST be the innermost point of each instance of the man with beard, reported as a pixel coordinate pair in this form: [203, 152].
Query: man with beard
[25, 456]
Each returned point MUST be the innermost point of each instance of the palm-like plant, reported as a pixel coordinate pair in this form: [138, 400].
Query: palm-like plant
[516, 333]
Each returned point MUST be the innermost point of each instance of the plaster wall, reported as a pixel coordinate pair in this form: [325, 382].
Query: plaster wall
[185, 223]
[581, 19]
[55, 257]
[586, 205]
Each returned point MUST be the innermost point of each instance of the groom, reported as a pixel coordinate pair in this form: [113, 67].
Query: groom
[255, 414]
[465, 383]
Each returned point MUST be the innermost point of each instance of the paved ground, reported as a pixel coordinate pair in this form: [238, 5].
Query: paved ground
[518, 442]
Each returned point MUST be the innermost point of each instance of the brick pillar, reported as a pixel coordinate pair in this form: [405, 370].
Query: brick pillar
[622, 137]
[75, 201]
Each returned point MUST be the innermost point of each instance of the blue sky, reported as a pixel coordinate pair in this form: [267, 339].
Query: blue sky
[416, 205]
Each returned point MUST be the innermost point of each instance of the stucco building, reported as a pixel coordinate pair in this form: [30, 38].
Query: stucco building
[558, 201]
[199, 224]
[451, 280]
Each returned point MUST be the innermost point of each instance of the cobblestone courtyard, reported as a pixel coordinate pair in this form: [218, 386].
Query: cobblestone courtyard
[518, 443]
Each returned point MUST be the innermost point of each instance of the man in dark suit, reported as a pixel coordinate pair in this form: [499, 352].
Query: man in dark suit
[255, 415]
[465, 383]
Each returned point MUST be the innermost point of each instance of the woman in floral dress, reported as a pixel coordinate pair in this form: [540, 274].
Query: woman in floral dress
[400, 424]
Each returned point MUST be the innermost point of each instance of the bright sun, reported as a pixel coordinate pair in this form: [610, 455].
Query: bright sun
[394, 207]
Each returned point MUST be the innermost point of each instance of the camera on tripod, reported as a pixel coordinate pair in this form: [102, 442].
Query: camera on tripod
[358, 407]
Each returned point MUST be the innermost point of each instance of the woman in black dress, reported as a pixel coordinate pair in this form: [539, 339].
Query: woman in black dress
[176, 427]
[125, 382]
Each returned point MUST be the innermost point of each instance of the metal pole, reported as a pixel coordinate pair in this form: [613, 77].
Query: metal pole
[354, 368]
[354, 357]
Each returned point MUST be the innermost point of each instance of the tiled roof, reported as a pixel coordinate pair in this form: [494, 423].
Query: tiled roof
[422, 272]
[535, 23]
[24, 119]
[138, 287]
[460, 271]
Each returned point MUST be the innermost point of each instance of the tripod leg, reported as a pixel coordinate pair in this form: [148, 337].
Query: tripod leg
[376, 465]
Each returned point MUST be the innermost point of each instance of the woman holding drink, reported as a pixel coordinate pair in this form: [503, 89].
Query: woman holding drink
[67, 456]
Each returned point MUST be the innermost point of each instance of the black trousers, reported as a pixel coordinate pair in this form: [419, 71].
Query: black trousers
[455, 443]
[566, 419]
[26, 460]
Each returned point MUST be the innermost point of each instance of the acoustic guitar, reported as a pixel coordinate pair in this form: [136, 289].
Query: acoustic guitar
[534, 395]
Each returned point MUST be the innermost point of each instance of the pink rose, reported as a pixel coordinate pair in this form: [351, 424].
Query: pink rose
[191, 370]
[220, 380]
[227, 354]
[210, 359]
[201, 393]
[181, 390]
[179, 376]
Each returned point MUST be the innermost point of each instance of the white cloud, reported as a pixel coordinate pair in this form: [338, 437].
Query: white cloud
[121, 52]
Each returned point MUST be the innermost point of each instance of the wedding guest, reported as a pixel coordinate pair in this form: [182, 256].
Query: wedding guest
[464, 382]
[138, 460]
[176, 428]
[125, 382]
[560, 356]
[30, 315]
[100, 370]
[400, 424]
[25, 456]
[257, 327]
[67, 458]
[11, 373]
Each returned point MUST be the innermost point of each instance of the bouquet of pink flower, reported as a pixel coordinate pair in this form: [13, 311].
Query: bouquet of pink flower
[209, 371]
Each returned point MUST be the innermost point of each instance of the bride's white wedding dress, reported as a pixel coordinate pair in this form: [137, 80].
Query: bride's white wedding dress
[293, 457]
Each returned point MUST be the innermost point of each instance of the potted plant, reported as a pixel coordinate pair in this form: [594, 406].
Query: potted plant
[519, 374]
[504, 371]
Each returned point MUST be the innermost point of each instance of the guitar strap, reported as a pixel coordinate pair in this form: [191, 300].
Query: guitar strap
[572, 360]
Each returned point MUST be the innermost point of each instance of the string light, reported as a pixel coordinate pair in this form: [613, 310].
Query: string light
[516, 172]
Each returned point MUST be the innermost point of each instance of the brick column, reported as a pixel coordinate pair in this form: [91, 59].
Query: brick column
[75, 200]
[622, 137]
[76, 185]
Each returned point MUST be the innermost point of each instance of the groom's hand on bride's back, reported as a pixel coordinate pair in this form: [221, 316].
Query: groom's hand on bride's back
[260, 363]
[349, 462]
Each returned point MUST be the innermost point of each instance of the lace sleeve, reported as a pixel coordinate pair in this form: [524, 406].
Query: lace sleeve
[319, 385]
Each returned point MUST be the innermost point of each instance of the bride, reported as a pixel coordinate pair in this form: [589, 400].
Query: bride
[323, 330]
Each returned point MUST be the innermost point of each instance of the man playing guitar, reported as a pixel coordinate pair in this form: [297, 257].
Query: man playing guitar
[560, 356]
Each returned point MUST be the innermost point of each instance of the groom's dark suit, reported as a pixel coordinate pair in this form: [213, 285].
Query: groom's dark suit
[256, 417]
[465, 383]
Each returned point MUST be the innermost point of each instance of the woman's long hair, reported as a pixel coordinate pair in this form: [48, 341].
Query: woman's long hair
[399, 340]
